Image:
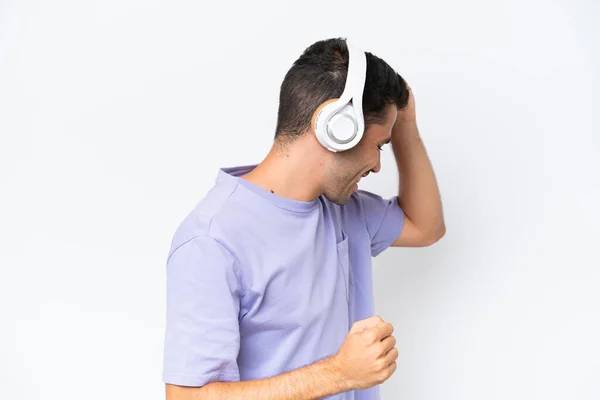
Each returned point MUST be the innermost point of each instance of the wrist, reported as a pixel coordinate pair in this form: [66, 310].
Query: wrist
[335, 370]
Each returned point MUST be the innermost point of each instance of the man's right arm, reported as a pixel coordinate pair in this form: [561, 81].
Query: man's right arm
[314, 381]
[367, 357]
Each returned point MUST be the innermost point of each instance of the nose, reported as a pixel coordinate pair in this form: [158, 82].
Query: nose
[377, 167]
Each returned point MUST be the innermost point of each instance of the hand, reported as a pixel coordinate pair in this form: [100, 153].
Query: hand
[368, 356]
[408, 114]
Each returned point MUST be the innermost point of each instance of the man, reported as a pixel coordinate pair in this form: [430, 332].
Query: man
[269, 292]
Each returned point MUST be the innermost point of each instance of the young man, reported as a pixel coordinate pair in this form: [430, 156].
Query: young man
[269, 292]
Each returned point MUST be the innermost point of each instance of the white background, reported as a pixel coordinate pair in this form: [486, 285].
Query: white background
[116, 115]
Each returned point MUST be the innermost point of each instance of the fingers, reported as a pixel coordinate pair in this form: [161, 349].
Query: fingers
[367, 323]
[391, 356]
[382, 330]
[387, 344]
[392, 368]
[375, 328]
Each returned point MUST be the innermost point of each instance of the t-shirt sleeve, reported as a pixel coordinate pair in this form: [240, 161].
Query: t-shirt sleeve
[202, 328]
[384, 219]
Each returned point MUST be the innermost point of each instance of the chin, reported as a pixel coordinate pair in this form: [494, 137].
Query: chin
[340, 200]
[340, 195]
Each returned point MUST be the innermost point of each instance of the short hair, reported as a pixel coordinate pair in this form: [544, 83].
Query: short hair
[319, 74]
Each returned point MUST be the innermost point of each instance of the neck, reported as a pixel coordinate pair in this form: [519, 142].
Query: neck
[293, 171]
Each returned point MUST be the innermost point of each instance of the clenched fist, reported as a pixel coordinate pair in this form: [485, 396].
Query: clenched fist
[367, 357]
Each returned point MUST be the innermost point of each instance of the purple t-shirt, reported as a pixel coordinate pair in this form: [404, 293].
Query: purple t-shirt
[258, 284]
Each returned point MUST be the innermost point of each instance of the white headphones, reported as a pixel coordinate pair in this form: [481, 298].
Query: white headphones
[340, 125]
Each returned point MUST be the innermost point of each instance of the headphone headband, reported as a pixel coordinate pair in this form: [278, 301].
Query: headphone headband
[355, 80]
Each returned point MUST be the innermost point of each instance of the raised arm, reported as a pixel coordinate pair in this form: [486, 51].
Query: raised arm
[419, 194]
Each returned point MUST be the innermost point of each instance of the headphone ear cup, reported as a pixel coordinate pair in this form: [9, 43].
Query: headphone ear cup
[343, 125]
[337, 130]
[319, 124]
[319, 113]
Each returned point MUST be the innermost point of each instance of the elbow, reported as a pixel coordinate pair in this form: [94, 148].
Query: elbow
[441, 231]
[434, 235]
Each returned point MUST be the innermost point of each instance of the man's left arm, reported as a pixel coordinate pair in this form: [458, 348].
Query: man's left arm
[419, 194]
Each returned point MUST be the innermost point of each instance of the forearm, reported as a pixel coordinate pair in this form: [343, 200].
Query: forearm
[419, 194]
[310, 382]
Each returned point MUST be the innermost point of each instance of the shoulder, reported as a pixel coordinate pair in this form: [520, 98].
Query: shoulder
[201, 221]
